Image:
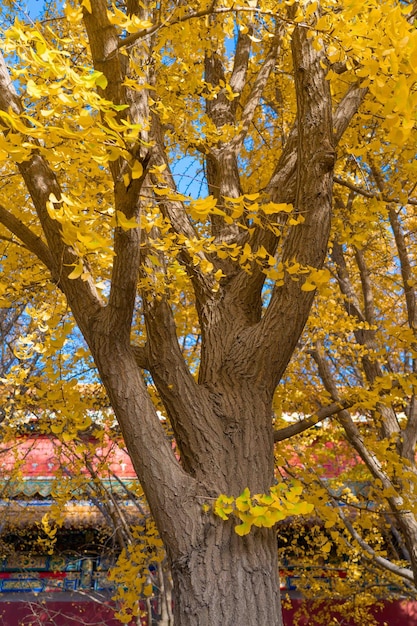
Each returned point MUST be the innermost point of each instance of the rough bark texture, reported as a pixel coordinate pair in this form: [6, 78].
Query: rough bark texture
[222, 423]
[228, 580]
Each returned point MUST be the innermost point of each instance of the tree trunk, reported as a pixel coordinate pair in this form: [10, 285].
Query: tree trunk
[219, 577]
[227, 580]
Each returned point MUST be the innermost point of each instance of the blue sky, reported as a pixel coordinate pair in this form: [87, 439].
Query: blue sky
[34, 7]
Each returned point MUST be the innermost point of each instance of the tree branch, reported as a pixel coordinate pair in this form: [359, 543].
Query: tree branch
[103, 40]
[41, 182]
[382, 562]
[366, 284]
[312, 420]
[141, 356]
[409, 435]
[184, 400]
[353, 434]
[347, 108]
[370, 194]
[282, 185]
[240, 66]
[364, 337]
[33, 242]
[174, 211]
[307, 242]
[406, 270]
[254, 98]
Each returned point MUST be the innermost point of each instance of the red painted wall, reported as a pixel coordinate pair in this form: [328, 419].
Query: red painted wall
[396, 613]
[19, 613]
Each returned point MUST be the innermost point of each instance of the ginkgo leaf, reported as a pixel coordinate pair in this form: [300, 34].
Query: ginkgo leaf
[270, 208]
[87, 5]
[308, 286]
[124, 222]
[32, 89]
[77, 271]
[243, 529]
[137, 170]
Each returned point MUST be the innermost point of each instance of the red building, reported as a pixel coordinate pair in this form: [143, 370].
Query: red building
[66, 581]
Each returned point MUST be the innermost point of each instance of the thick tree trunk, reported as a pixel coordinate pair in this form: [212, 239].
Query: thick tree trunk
[227, 580]
[219, 577]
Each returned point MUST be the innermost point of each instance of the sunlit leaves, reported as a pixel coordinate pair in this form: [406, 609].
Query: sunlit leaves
[131, 572]
[130, 24]
[263, 510]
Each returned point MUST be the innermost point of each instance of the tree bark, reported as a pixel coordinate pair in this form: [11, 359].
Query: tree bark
[226, 579]
[219, 577]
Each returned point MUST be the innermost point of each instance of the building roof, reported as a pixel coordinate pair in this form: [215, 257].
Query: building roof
[31, 465]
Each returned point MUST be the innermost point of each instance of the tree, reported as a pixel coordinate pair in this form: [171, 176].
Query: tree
[360, 349]
[96, 109]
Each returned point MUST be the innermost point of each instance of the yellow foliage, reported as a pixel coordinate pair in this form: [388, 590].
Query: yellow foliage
[262, 510]
[96, 134]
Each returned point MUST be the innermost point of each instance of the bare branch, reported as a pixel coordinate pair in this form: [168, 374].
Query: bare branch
[256, 93]
[312, 420]
[347, 109]
[369, 194]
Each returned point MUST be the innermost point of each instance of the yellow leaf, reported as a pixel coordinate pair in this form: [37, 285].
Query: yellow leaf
[310, 9]
[326, 547]
[123, 222]
[307, 286]
[77, 271]
[243, 529]
[271, 207]
[202, 207]
[147, 590]
[53, 198]
[87, 5]
[135, 24]
[158, 169]
[32, 89]
[137, 170]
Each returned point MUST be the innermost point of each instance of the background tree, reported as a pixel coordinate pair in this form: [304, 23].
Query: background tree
[360, 348]
[95, 109]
